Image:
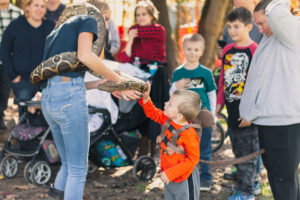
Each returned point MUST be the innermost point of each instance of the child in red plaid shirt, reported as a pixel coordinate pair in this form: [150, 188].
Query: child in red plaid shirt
[146, 39]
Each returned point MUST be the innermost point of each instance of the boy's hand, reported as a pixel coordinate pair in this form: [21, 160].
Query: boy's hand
[146, 95]
[158, 139]
[164, 178]
[243, 123]
[133, 33]
[183, 83]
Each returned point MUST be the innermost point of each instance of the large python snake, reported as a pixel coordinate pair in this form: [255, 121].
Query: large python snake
[68, 61]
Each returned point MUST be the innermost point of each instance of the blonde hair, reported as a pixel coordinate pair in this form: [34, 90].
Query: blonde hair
[27, 3]
[190, 103]
[101, 5]
[151, 9]
[193, 37]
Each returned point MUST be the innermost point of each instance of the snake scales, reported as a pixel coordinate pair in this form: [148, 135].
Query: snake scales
[68, 61]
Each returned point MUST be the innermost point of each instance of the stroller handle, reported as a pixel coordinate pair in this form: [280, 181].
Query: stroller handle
[29, 103]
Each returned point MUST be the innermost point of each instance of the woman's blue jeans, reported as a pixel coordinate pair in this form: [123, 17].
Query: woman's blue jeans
[65, 109]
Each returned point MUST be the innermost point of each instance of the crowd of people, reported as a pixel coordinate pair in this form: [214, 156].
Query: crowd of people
[257, 84]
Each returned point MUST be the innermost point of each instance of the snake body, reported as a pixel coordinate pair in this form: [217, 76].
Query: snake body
[68, 61]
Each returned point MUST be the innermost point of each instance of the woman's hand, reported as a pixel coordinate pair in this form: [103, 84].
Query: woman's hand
[37, 97]
[17, 79]
[183, 83]
[244, 123]
[133, 33]
[146, 95]
[127, 94]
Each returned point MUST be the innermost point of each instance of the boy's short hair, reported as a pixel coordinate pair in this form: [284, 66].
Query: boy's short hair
[241, 14]
[193, 37]
[261, 6]
[190, 103]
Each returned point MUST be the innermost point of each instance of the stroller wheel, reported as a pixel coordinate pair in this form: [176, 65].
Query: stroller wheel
[41, 173]
[144, 168]
[9, 166]
[27, 172]
[91, 167]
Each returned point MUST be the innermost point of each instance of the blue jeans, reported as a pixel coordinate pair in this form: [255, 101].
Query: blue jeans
[205, 154]
[24, 90]
[65, 109]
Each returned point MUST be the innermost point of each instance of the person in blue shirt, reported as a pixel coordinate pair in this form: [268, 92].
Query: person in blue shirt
[64, 102]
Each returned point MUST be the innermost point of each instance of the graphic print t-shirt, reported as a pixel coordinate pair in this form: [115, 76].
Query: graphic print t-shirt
[235, 66]
[201, 81]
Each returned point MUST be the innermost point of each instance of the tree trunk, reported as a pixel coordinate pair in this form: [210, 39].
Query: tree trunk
[171, 58]
[211, 26]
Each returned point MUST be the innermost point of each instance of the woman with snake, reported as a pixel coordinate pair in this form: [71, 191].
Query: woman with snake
[64, 106]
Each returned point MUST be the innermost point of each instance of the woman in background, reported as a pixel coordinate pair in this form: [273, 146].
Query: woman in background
[22, 47]
[146, 43]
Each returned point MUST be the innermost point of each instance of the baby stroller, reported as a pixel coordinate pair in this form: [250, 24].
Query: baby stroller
[30, 140]
[114, 145]
[114, 142]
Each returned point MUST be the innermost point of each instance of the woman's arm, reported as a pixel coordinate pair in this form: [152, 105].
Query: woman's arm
[92, 61]
[131, 35]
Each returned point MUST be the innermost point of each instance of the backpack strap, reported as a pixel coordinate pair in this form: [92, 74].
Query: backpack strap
[173, 143]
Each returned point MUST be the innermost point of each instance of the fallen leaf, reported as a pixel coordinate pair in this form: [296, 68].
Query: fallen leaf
[100, 185]
[41, 195]
[11, 197]
[24, 187]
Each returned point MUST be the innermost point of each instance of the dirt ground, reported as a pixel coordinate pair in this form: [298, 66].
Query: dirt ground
[118, 183]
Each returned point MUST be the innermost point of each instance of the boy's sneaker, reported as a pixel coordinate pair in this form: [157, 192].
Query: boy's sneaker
[205, 186]
[257, 190]
[238, 196]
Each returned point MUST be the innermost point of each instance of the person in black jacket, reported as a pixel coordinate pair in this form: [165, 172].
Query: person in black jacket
[22, 47]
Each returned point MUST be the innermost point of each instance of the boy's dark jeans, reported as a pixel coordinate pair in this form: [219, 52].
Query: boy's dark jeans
[245, 141]
[205, 154]
[4, 90]
[282, 157]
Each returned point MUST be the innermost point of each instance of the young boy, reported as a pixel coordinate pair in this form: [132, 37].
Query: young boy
[235, 65]
[194, 76]
[179, 172]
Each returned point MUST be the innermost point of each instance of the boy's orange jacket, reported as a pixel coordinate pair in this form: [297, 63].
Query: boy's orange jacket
[177, 167]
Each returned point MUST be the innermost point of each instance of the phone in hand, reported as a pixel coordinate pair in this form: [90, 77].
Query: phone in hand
[222, 43]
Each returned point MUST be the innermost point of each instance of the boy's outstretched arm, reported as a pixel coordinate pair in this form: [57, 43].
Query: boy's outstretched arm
[146, 95]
